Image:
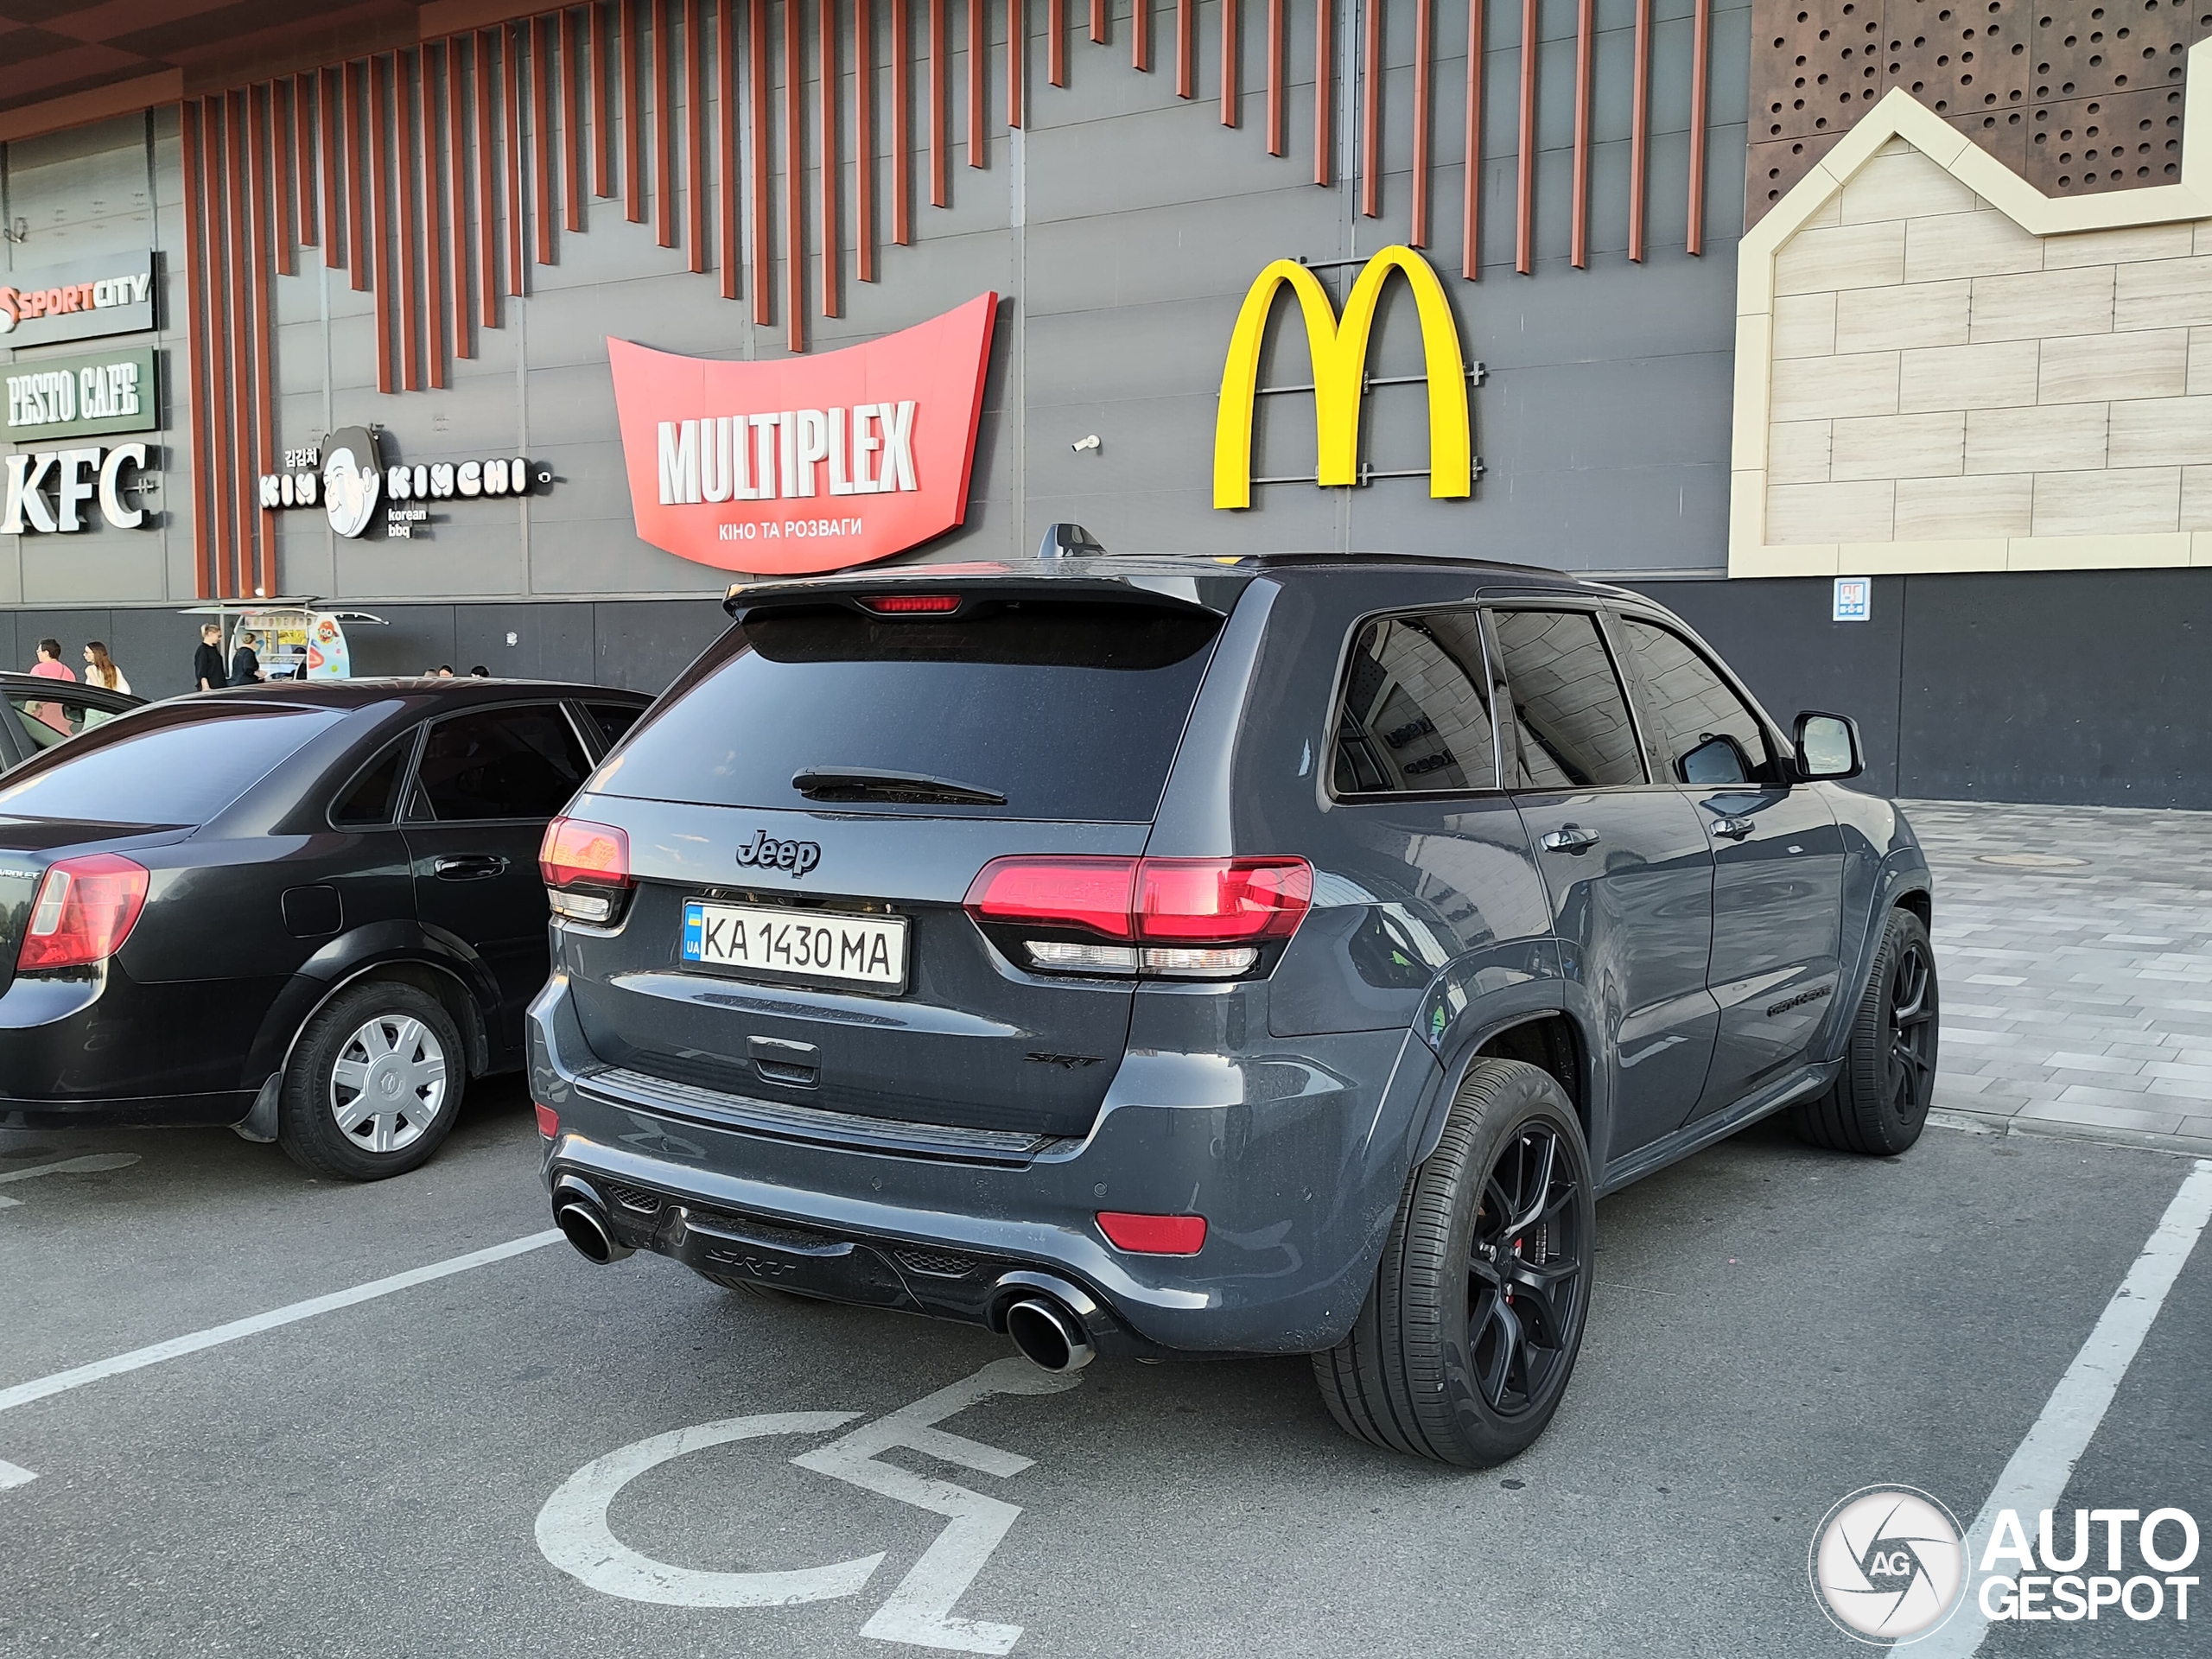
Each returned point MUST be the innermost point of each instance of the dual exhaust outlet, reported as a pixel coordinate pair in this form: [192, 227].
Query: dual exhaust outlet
[1043, 1328]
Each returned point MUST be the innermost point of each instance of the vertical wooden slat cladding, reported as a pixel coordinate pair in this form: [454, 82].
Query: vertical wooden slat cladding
[1186, 48]
[240, 488]
[940, 107]
[695, 129]
[794, 177]
[304, 149]
[978, 51]
[1141, 35]
[1579, 233]
[1056, 48]
[1017, 58]
[902, 124]
[541, 136]
[328, 96]
[408, 166]
[1471, 179]
[380, 211]
[222, 504]
[1524, 160]
[1700, 71]
[633, 114]
[1324, 88]
[281, 152]
[1098, 22]
[726, 150]
[1639, 141]
[457, 222]
[434, 222]
[864, 138]
[572, 121]
[664, 127]
[1370, 115]
[487, 195]
[602, 102]
[357, 213]
[1424, 72]
[197, 368]
[827, 78]
[510, 119]
[264, 228]
[1229, 62]
[757, 68]
[1275, 146]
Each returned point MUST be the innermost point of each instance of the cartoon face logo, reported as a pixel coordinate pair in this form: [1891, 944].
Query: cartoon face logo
[352, 479]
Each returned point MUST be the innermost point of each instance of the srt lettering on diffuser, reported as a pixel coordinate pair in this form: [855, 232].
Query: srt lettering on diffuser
[865, 450]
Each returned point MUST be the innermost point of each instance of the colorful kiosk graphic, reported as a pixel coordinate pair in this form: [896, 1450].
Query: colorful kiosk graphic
[297, 638]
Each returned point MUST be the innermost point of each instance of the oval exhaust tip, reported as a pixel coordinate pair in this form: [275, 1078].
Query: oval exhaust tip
[584, 1228]
[1048, 1336]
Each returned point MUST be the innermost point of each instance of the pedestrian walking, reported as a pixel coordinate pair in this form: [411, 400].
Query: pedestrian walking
[49, 666]
[100, 669]
[209, 673]
[245, 667]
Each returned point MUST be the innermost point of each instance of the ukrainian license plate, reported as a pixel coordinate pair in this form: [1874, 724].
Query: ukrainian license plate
[868, 950]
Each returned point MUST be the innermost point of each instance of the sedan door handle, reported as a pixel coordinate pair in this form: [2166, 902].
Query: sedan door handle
[1734, 829]
[472, 866]
[1570, 838]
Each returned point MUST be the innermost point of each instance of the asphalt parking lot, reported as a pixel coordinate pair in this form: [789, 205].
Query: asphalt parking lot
[1774, 1328]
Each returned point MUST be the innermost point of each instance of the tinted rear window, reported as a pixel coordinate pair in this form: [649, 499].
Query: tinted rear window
[1068, 710]
[163, 766]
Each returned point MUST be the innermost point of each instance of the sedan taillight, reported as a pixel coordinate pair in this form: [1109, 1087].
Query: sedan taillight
[1190, 917]
[85, 909]
[586, 867]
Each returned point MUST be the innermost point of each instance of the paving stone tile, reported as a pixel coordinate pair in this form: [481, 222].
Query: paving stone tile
[2102, 1116]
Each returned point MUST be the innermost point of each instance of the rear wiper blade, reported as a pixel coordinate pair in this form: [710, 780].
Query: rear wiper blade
[870, 784]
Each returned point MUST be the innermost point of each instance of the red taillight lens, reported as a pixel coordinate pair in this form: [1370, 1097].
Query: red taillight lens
[912, 604]
[1221, 900]
[1152, 1235]
[548, 1122]
[576, 851]
[1095, 894]
[85, 909]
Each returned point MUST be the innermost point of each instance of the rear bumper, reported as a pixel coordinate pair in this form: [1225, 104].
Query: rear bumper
[98, 1050]
[132, 1112]
[1294, 1154]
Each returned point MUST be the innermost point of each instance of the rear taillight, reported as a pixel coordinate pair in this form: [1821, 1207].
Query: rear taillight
[85, 909]
[911, 603]
[586, 867]
[1190, 917]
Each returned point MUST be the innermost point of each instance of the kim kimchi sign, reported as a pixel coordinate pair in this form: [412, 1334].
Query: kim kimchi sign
[805, 463]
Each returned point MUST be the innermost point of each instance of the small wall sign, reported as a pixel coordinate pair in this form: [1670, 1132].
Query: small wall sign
[1854, 598]
[113, 295]
[78, 396]
[347, 476]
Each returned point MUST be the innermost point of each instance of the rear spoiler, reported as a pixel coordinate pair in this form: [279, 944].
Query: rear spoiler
[1155, 581]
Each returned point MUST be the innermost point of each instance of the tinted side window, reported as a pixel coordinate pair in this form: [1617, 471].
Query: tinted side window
[499, 763]
[372, 796]
[612, 719]
[1414, 712]
[1574, 730]
[177, 763]
[1691, 705]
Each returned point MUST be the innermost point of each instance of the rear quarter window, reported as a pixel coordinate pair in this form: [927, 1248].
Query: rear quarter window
[163, 765]
[1067, 710]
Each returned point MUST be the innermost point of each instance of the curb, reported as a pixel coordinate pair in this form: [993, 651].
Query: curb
[1998, 1123]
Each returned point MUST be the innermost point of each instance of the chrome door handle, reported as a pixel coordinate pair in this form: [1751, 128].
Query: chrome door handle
[1570, 838]
[470, 868]
[1733, 829]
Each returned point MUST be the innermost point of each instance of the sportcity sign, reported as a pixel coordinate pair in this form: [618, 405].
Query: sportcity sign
[1339, 348]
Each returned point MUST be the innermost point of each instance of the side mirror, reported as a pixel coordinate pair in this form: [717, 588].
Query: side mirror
[1716, 761]
[1829, 748]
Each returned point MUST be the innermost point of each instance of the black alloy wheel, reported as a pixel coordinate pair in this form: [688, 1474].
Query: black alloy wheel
[1878, 1105]
[1465, 1344]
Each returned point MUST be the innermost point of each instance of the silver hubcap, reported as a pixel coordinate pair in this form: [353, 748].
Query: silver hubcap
[387, 1083]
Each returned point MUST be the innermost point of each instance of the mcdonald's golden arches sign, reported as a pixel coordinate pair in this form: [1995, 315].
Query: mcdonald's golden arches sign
[1339, 347]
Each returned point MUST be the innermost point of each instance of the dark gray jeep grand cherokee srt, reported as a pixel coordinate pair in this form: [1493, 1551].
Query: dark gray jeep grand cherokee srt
[1163, 957]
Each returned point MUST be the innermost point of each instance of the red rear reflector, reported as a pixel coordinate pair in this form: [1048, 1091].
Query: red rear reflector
[548, 1122]
[1093, 893]
[1162, 900]
[912, 604]
[85, 909]
[1152, 1235]
[577, 850]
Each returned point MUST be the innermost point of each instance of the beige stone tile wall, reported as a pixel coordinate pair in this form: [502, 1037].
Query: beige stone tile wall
[1942, 375]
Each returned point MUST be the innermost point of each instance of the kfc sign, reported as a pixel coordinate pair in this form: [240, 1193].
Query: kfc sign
[805, 463]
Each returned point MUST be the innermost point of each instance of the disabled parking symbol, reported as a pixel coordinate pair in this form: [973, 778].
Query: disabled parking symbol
[574, 1535]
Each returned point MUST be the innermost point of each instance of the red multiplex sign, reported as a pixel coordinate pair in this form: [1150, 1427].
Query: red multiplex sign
[805, 463]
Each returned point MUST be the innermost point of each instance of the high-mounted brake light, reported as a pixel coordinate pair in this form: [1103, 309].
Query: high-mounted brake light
[1194, 918]
[85, 909]
[911, 603]
[586, 867]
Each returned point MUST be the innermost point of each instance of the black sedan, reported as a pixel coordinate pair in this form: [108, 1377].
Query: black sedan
[309, 912]
[38, 714]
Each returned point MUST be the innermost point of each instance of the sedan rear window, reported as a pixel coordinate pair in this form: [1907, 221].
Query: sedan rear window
[163, 766]
[1043, 709]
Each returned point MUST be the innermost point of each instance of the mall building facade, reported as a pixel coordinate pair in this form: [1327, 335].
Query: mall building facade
[524, 330]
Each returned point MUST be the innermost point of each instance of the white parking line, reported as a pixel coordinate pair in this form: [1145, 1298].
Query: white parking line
[2036, 1477]
[85, 1165]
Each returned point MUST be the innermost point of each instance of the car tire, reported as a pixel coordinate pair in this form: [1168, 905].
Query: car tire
[1879, 1104]
[384, 1044]
[1453, 1358]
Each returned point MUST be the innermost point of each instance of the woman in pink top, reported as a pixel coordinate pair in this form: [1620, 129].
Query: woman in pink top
[50, 666]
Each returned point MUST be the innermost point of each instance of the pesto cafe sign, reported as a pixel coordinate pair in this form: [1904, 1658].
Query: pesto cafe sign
[81, 397]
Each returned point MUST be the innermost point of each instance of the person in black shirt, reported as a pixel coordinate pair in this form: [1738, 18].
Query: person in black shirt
[246, 667]
[207, 672]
